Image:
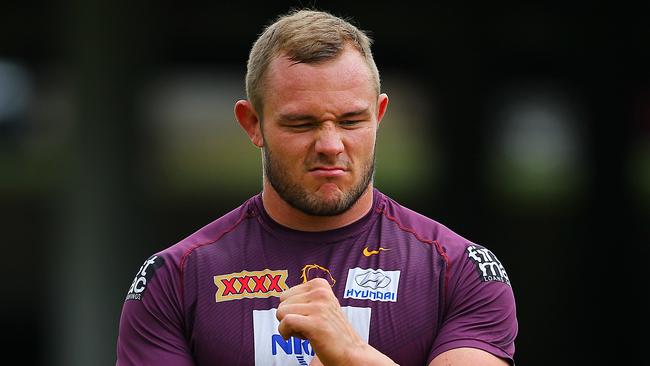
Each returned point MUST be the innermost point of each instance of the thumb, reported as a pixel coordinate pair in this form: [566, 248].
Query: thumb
[315, 362]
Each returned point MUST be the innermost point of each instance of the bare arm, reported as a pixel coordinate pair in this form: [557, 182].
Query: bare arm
[311, 311]
[467, 357]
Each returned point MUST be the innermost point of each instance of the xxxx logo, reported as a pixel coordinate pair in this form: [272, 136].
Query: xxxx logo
[248, 285]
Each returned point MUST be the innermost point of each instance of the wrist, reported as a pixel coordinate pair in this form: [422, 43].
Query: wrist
[366, 355]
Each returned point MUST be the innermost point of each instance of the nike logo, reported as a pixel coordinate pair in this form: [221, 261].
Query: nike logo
[368, 253]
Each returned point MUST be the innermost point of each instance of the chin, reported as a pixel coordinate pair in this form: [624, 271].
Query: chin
[330, 192]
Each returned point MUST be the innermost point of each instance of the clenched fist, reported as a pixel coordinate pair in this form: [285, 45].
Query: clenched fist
[311, 311]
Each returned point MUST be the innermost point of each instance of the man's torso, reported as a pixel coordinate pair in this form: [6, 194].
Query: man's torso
[388, 282]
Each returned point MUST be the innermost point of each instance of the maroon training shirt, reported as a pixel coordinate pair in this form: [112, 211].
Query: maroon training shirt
[409, 286]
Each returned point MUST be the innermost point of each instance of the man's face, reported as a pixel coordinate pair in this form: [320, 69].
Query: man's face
[319, 127]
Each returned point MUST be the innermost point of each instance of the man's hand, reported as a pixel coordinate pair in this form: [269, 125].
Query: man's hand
[311, 311]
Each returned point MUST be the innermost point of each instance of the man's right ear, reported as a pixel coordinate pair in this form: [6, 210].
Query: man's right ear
[248, 120]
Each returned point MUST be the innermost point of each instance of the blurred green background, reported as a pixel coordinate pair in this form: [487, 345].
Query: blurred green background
[523, 126]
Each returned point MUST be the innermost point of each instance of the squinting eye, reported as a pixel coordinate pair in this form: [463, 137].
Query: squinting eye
[304, 125]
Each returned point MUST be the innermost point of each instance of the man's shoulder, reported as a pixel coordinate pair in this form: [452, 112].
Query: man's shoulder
[425, 228]
[210, 233]
[397, 211]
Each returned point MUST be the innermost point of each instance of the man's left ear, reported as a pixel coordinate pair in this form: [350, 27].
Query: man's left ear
[382, 104]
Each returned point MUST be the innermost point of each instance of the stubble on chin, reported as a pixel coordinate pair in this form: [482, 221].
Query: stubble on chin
[314, 204]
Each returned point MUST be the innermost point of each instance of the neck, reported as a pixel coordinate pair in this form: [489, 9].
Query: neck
[289, 216]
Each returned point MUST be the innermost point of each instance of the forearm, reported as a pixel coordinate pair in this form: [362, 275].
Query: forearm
[368, 356]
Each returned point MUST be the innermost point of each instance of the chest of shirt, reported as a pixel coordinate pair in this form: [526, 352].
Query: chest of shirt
[389, 290]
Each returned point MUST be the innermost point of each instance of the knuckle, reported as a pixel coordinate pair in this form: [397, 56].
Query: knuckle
[320, 282]
[287, 326]
[317, 293]
[280, 313]
[321, 308]
[322, 293]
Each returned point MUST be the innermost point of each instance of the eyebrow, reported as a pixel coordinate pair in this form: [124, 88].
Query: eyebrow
[290, 117]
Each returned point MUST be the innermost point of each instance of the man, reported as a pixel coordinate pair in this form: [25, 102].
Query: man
[319, 268]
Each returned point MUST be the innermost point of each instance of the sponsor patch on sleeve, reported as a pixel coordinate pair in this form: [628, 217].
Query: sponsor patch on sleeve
[144, 275]
[488, 266]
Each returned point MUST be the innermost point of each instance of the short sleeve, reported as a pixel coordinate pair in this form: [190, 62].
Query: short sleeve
[480, 305]
[151, 326]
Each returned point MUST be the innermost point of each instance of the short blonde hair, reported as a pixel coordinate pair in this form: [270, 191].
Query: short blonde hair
[305, 36]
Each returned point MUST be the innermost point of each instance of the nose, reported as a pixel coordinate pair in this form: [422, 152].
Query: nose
[329, 141]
